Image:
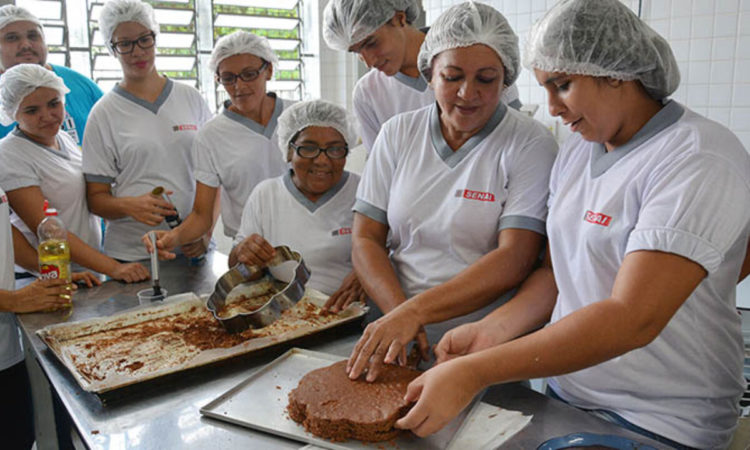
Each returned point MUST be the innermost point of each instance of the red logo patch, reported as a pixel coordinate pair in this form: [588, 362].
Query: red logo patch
[597, 218]
[3, 199]
[341, 231]
[185, 127]
[476, 195]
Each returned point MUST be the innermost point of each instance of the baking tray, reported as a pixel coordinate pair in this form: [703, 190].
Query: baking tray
[260, 403]
[162, 356]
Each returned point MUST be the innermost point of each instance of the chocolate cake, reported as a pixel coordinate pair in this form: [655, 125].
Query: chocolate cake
[330, 405]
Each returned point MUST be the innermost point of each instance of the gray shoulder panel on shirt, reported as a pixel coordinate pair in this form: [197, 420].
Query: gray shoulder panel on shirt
[524, 223]
[371, 211]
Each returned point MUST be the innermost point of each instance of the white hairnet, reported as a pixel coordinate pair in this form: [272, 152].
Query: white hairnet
[238, 43]
[314, 113]
[13, 13]
[116, 12]
[602, 38]
[346, 22]
[21, 80]
[467, 24]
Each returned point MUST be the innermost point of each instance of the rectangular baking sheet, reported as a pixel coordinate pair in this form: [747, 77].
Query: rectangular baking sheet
[259, 403]
[64, 340]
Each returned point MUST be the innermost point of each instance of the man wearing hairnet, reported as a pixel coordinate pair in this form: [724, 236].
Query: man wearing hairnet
[22, 41]
[382, 34]
[647, 230]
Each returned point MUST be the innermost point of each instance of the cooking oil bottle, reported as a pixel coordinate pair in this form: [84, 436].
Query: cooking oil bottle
[54, 250]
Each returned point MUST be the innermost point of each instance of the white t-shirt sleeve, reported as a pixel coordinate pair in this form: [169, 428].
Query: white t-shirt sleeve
[528, 185]
[368, 122]
[204, 170]
[99, 153]
[251, 214]
[695, 208]
[16, 172]
[374, 188]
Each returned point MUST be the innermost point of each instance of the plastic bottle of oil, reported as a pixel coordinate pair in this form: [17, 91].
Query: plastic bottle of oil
[54, 250]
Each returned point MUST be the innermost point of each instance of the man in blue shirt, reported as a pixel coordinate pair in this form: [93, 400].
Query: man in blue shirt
[22, 41]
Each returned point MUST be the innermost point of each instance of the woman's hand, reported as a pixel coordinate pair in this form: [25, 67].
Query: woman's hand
[42, 295]
[130, 272]
[149, 209]
[467, 338]
[165, 241]
[350, 291]
[385, 340]
[254, 250]
[441, 393]
[88, 278]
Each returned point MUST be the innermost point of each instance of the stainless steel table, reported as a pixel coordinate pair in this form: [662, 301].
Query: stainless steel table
[164, 413]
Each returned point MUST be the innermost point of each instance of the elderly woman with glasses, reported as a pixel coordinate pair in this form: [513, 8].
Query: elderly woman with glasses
[139, 137]
[309, 208]
[237, 149]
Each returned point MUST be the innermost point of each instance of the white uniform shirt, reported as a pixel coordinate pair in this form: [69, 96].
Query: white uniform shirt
[378, 97]
[10, 341]
[237, 153]
[136, 146]
[321, 231]
[682, 186]
[445, 208]
[59, 175]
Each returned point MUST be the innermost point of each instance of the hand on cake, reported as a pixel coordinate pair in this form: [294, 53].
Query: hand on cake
[350, 291]
[385, 340]
[440, 394]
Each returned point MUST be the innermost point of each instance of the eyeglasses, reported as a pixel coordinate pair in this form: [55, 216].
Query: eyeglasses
[229, 78]
[312, 151]
[125, 47]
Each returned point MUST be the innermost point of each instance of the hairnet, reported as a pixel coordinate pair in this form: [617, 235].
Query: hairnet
[467, 24]
[238, 43]
[21, 80]
[346, 22]
[314, 113]
[116, 12]
[602, 38]
[13, 13]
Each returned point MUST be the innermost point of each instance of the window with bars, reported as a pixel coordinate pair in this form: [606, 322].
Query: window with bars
[189, 29]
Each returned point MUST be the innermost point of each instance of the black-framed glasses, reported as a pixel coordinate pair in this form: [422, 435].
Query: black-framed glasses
[127, 46]
[312, 151]
[229, 78]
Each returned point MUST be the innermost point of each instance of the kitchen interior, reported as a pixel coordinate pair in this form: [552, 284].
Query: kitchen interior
[710, 40]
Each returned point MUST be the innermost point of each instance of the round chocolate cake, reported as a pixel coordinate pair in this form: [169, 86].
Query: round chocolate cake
[330, 405]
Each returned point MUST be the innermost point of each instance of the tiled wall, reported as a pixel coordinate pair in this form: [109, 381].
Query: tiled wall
[710, 39]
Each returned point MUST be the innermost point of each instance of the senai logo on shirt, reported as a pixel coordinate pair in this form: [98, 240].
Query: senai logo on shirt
[341, 231]
[476, 195]
[187, 127]
[597, 218]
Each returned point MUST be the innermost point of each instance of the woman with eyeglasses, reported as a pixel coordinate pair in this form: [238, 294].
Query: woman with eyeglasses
[309, 208]
[238, 148]
[139, 137]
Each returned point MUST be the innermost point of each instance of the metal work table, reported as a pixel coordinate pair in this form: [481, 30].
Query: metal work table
[164, 413]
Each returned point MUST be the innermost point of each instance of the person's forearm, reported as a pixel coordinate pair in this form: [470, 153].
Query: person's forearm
[589, 336]
[87, 256]
[376, 274]
[476, 286]
[105, 205]
[195, 225]
[8, 300]
[23, 253]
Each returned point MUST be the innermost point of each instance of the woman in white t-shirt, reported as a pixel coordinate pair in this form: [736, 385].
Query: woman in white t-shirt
[383, 35]
[452, 193]
[238, 148]
[648, 228]
[139, 137]
[309, 208]
[39, 161]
